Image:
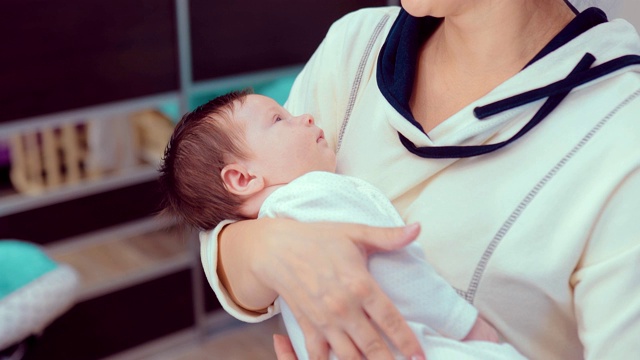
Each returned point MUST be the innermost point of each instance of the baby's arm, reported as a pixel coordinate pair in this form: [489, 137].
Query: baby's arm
[421, 295]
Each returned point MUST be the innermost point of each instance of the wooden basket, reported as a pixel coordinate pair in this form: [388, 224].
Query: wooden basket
[48, 157]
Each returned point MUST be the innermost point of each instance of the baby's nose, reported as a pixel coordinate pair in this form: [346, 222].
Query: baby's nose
[306, 119]
[309, 119]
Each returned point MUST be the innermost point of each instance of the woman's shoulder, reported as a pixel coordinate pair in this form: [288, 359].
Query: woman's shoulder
[324, 86]
[357, 27]
[368, 16]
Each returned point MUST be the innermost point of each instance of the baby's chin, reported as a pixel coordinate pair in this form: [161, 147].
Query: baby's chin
[329, 167]
[326, 164]
[332, 164]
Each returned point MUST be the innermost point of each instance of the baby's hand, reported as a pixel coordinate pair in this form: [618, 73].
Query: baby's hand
[482, 331]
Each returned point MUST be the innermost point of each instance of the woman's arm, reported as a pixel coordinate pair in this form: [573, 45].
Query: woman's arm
[320, 271]
[607, 281]
[236, 245]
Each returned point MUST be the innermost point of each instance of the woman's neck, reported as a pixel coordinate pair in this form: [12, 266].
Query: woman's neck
[499, 34]
[476, 50]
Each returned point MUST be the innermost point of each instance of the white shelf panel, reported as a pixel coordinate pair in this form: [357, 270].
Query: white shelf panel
[95, 238]
[93, 112]
[124, 255]
[165, 268]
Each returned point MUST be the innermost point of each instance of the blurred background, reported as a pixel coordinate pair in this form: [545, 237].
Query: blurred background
[90, 92]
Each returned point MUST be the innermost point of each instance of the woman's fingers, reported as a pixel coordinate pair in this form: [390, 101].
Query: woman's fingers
[389, 320]
[360, 339]
[320, 270]
[283, 347]
[315, 342]
[350, 333]
[375, 303]
[374, 239]
[368, 340]
[341, 346]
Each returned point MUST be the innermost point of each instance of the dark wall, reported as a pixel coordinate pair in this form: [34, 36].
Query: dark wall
[118, 321]
[236, 36]
[63, 54]
[75, 217]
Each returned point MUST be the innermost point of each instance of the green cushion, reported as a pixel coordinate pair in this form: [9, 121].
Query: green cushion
[278, 89]
[20, 263]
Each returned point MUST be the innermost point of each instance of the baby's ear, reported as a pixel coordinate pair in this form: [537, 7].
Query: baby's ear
[240, 181]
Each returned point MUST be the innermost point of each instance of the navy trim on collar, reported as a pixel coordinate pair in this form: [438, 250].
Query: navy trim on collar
[581, 23]
[397, 65]
[555, 93]
[573, 8]
[397, 62]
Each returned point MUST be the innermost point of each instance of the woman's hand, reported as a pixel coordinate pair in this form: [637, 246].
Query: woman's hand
[320, 271]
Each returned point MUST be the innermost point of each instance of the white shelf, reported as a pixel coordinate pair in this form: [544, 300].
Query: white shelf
[12, 202]
[95, 238]
[124, 255]
[93, 112]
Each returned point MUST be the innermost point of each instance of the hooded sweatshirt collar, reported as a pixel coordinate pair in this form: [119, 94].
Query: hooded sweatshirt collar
[397, 65]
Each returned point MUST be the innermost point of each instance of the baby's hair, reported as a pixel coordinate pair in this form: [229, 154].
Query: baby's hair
[203, 142]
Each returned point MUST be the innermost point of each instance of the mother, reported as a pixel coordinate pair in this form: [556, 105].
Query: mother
[509, 130]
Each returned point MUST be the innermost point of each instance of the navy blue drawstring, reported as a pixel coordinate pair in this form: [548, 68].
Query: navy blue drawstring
[555, 93]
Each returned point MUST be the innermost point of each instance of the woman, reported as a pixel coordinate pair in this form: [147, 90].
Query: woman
[508, 129]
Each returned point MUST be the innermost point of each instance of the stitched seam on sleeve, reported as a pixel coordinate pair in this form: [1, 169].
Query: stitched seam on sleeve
[358, 79]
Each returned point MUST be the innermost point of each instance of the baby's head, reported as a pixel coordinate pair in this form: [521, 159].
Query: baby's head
[225, 156]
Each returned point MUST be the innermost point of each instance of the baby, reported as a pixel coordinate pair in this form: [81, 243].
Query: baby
[244, 156]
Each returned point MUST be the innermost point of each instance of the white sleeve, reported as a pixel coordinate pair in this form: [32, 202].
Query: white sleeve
[607, 282]
[421, 294]
[209, 259]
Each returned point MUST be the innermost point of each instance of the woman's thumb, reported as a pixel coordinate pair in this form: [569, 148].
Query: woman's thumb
[374, 239]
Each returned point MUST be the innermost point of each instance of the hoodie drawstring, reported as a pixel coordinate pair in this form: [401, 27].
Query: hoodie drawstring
[555, 93]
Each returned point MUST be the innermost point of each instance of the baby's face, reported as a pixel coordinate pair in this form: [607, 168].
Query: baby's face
[283, 147]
